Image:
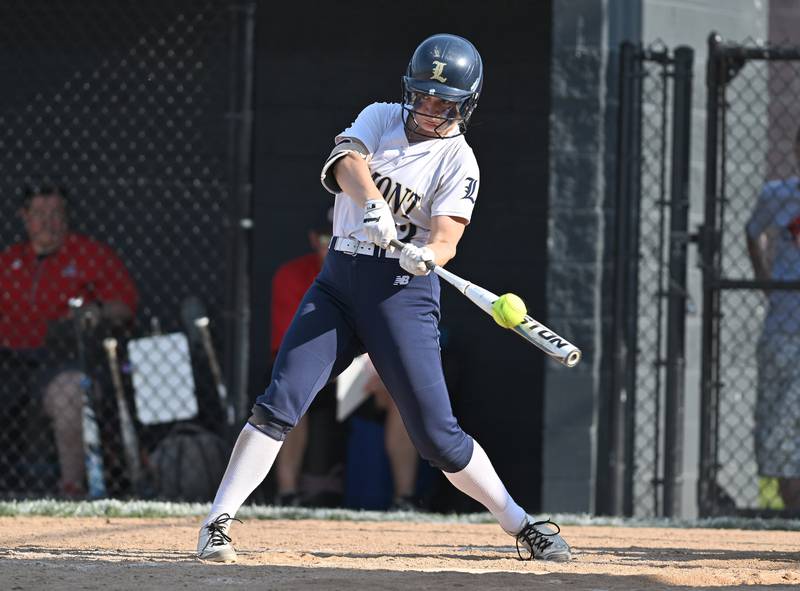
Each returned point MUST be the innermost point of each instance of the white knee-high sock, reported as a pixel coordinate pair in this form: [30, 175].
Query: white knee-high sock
[480, 481]
[251, 459]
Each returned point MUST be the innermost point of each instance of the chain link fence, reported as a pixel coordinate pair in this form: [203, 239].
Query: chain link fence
[114, 171]
[652, 259]
[751, 264]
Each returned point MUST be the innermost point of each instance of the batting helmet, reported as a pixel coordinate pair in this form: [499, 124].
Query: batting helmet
[448, 67]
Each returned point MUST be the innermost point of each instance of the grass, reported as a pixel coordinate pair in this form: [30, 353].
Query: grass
[160, 509]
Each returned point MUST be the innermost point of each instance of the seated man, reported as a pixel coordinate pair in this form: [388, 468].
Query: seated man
[54, 285]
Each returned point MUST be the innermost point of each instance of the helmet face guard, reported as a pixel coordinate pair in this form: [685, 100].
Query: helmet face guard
[411, 102]
[446, 67]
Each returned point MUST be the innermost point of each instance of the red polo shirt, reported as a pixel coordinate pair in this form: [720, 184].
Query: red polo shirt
[35, 291]
[289, 285]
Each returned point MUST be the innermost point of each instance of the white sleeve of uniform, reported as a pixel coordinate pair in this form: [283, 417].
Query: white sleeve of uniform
[458, 189]
[369, 126]
[362, 137]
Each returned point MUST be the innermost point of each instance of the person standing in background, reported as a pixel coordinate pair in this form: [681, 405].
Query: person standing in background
[773, 243]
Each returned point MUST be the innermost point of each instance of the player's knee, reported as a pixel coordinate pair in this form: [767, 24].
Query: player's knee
[448, 456]
[269, 424]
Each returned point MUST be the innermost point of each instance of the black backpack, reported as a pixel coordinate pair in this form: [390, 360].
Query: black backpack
[188, 464]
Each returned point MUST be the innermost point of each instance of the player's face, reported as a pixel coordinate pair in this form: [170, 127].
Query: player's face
[431, 114]
[46, 222]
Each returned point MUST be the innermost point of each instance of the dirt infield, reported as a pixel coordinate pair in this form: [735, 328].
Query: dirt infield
[143, 554]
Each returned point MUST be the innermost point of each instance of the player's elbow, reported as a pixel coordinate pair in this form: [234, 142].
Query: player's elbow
[348, 165]
[444, 250]
[344, 159]
[449, 254]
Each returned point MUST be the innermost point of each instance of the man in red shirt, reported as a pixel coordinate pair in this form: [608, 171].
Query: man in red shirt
[289, 285]
[38, 278]
[293, 278]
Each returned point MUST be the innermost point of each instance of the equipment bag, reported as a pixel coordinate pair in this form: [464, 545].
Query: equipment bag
[188, 464]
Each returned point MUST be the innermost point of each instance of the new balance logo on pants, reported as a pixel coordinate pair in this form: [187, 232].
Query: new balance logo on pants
[402, 280]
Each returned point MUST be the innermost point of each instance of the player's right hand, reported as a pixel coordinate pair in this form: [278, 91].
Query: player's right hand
[414, 259]
[378, 223]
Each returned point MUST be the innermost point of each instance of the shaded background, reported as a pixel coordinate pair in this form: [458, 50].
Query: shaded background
[126, 106]
[136, 108]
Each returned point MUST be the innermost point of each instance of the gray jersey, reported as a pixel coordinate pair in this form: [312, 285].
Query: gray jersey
[419, 180]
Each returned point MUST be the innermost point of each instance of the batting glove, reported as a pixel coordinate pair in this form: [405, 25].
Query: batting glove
[413, 258]
[379, 223]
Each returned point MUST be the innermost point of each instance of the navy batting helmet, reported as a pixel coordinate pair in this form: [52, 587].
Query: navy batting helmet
[448, 67]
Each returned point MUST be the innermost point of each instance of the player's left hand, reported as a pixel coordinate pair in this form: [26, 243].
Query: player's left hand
[379, 224]
[412, 259]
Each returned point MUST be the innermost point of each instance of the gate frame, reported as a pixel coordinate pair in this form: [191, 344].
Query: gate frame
[616, 447]
[725, 60]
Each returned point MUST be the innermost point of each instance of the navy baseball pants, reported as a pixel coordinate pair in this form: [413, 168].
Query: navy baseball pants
[368, 303]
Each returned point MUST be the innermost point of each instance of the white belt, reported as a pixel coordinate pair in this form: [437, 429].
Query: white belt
[354, 247]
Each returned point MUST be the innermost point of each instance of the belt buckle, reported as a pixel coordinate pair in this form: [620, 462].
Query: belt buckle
[341, 243]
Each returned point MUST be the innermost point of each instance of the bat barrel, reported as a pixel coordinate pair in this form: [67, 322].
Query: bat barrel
[548, 341]
[532, 331]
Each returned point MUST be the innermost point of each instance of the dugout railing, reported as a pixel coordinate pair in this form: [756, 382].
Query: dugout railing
[141, 112]
[753, 114]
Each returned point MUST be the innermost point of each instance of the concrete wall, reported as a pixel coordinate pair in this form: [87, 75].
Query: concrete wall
[784, 16]
[576, 249]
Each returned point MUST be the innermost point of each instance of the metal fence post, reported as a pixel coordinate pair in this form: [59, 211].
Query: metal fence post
[237, 317]
[676, 293]
[708, 253]
[615, 481]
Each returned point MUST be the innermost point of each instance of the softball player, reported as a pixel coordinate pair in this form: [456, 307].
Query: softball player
[399, 171]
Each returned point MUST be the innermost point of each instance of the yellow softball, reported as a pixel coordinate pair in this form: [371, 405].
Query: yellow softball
[508, 310]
